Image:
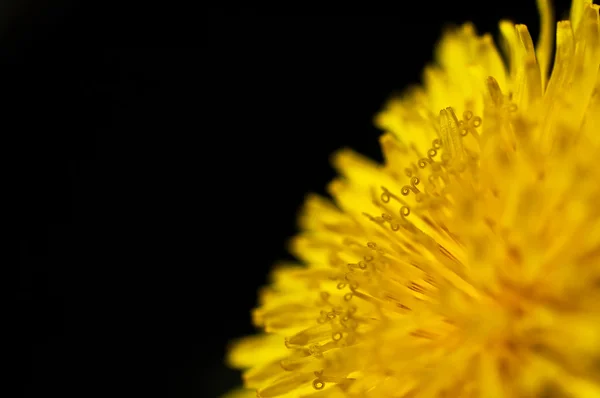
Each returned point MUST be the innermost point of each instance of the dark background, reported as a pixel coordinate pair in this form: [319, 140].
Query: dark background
[161, 153]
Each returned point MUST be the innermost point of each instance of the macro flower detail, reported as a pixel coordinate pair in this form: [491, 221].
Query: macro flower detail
[468, 264]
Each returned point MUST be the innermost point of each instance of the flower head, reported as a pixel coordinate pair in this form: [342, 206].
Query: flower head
[468, 264]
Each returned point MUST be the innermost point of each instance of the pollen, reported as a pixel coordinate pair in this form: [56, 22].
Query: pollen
[468, 263]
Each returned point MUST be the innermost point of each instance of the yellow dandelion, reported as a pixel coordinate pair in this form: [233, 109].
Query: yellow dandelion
[467, 265]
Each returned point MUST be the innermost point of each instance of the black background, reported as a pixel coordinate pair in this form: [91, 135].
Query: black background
[161, 153]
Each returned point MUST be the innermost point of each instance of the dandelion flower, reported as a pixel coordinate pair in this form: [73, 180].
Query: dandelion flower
[468, 264]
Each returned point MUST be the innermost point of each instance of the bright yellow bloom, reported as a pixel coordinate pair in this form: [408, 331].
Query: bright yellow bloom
[468, 265]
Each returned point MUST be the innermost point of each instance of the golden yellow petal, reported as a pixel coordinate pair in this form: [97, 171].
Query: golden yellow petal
[468, 264]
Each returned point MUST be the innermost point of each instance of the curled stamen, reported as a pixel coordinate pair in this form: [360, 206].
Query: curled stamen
[424, 162]
[406, 190]
[385, 196]
[469, 124]
[437, 143]
[404, 211]
[318, 384]
[431, 153]
[336, 336]
[464, 128]
[414, 182]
